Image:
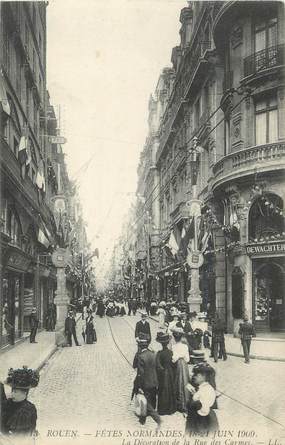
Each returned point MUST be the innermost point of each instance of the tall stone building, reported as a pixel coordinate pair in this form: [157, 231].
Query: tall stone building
[36, 194]
[216, 140]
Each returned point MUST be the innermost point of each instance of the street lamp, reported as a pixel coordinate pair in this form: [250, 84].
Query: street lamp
[195, 257]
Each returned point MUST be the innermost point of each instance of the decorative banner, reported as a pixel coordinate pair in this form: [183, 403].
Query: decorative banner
[195, 260]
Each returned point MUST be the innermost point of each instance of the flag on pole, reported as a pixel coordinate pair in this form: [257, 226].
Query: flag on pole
[186, 235]
[172, 244]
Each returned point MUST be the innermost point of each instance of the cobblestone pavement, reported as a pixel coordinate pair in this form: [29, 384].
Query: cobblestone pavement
[87, 390]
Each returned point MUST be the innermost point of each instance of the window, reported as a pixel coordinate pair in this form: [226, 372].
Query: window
[4, 207]
[16, 147]
[265, 41]
[266, 120]
[265, 34]
[26, 35]
[227, 139]
[197, 112]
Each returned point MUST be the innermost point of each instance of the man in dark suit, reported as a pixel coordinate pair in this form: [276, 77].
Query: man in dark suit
[246, 332]
[218, 338]
[143, 327]
[145, 362]
[188, 331]
[34, 322]
[70, 329]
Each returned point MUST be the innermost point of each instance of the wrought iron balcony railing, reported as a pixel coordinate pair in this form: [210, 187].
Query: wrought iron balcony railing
[264, 59]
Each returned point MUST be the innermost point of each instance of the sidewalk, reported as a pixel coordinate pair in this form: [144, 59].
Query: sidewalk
[33, 355]
[262, 348]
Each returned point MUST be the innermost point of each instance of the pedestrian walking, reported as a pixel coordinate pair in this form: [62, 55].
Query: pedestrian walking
[143, 327]
[90, 332]
[166, 404]
[100, 308]
[182, 378]
[201, 418]
[161, 315]
[246, 332]
[50, 318]
[34, 323]
[70, 329]
[188, 331]
[218, 339]
[146, 379]
[19, 416]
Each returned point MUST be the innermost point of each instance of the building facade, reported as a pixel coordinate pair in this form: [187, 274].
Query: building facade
[216, 137]
[36, 194]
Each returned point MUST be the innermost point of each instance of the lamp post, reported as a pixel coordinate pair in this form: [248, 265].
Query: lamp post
[195, 256]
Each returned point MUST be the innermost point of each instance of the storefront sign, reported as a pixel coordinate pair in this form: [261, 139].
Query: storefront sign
[18, 262]
[259, 249]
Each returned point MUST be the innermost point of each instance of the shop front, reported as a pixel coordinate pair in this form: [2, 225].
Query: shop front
[12, 292]
[268, 284]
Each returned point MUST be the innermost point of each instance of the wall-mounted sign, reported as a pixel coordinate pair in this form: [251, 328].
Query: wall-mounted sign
[17, 261]
[195, 260]
[268, 249]
[57, 140]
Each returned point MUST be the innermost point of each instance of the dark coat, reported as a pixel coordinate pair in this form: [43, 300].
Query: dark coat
[142, 328]
[70, 325]
[218, 330]
[147, 370]
[19, 417]
[34, 321]
[246, 331]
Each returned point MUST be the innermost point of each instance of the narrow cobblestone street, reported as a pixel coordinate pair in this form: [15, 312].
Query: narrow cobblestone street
[87, 389]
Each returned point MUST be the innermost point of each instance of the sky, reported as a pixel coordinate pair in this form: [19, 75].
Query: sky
[103, 62]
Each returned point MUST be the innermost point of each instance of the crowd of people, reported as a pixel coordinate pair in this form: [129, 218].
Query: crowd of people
[177, 378]
[165, 379]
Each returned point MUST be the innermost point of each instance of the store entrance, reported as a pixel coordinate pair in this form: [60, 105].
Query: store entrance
[269, 302]
[11, 316]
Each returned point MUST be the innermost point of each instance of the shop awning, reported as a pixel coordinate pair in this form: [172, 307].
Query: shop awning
[43, 239]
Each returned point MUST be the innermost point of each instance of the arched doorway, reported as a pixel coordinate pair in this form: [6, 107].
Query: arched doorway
[269, 301]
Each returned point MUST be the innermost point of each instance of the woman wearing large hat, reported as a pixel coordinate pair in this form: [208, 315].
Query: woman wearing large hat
[201, 417]
[166, 377]
[181, 358]
[19, 416]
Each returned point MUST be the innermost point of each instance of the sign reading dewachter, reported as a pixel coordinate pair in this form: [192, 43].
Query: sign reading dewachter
[266, 248]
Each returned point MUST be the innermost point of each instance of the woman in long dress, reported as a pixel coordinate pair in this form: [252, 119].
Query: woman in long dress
[201, 416]
[182, 378]
[90, 332]
[161, 315]
[166, 377]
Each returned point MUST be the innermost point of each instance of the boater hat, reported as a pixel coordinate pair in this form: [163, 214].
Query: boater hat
[22, 378]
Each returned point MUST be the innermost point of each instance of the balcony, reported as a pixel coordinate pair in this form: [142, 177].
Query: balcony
[243, 163]
[264, 60]
[181, 211]
[190, 76]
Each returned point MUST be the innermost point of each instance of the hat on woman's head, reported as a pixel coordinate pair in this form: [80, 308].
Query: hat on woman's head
[204, 369]
[22, 378]
[177, 332]
[162, 304]
[162, 337]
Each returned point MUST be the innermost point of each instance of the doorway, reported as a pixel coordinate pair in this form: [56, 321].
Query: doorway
[269, 302]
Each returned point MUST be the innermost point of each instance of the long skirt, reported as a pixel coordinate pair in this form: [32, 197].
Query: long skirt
[201, 424]
[166, 392]
[91, 336]
[182, 377]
